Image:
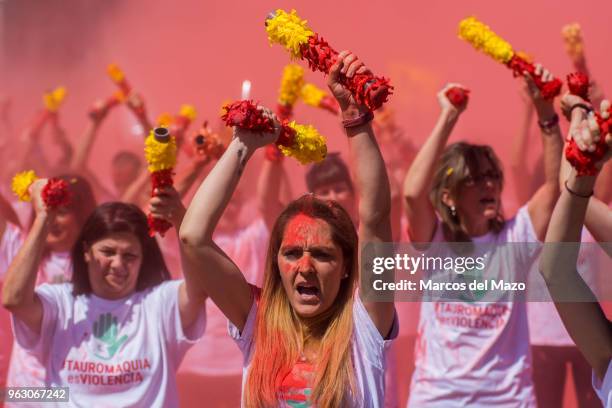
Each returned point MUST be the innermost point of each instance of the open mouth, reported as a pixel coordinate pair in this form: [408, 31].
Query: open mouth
[487, 201]
[307, 292]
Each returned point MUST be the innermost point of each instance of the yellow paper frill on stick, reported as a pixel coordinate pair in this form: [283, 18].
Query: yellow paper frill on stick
[160, 156]
[484, 39]
[21, 184]
[288, 30]
[115, 73]
[291, 84]
[53, 100]
[312, 95]
[188, 111]
[164, 119]
[308, 145]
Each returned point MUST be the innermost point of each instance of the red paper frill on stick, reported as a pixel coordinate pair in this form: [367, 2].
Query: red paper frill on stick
[578, 84]
[584, 161]
[367, 89]
[56, 193]
[548, 89]
[159, 179]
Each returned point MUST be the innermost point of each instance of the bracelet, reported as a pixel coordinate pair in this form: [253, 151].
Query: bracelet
[359, 120]
[584, 106]
[548, 125]
[572, 192]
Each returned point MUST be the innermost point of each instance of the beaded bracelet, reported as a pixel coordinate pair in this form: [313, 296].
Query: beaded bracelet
[359, 120]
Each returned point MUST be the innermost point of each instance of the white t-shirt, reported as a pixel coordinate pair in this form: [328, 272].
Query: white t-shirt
[604, 388]
[477, 354]
[368, 350]
[23, 369]
[216, 353]
[111, 352]
[545, 325]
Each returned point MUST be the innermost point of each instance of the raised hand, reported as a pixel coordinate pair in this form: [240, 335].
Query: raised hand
[166, 204]
[347, 65]
[445, 103]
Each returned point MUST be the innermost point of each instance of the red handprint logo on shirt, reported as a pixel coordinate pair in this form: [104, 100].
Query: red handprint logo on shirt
[105, 330]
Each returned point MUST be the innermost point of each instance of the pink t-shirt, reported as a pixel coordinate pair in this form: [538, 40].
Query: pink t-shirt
[216, 353]
[24, 370]
[477, 354]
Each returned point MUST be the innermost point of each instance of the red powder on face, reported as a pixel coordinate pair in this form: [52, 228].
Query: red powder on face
[305, 232]
[304, 229]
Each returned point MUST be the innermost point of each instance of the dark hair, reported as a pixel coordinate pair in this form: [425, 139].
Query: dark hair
[460, 161]
[331, 170]
[111, 218]
[126, 157]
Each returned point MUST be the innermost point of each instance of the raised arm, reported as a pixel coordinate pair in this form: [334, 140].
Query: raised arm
[136, 104]
[543, 201]
[18, 294]
[370, 174]
[201, 257]
[166, 204]
[585, 322]
[598, 218]
[7, 214]
[599, 222]
[518, 170]
[138, 190]
[417, 184]
[61, 140]
[188, 176]
[269, 186]
[86, 141]
[80, 159]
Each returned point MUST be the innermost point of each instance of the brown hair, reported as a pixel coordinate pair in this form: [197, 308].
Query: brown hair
[278, 335]
[460, 161]
[331, 170]
[111, 218]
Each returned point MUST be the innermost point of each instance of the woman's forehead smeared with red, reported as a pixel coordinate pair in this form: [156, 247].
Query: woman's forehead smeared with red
[304, 230]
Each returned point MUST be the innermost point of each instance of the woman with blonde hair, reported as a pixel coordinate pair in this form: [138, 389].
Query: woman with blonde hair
[474, 352]
[306, 337]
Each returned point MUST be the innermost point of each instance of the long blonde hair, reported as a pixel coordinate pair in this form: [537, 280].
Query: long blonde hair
[278, 335]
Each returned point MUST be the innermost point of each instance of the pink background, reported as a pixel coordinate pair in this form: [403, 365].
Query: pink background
[199, 52]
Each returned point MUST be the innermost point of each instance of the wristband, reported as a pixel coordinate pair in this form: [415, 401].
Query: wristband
[586, 107]
[548, 125]
[572, 192]
[359, 120]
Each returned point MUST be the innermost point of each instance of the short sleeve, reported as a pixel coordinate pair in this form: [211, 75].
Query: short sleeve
[369, 340]
[165, 302]
[11, 241]
[604, 388]
[520, 231]
[52, 298]
[244, 339]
